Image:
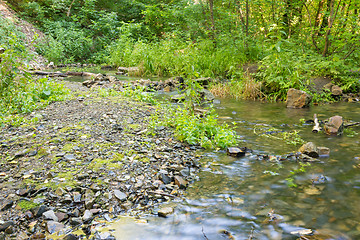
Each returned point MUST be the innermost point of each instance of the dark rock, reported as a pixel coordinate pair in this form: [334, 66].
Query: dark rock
[28, 215]
[6, 205]
[5, 225]
[204, 81]
[53, 227]
[297, 99]
[75, 213]
[83, 176]
[71, 237]
[117, 127]
[20, 153]
[235, 152]
[75, 221]
[334, 126]
[309, 149]
[24, 192]
[120, 195]
[165, 178]
[38, 211]
[180, 182]
[89, 203]
[164, 212]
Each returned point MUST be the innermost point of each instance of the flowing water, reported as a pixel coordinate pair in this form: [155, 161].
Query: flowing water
[248, 198]
[234, 196]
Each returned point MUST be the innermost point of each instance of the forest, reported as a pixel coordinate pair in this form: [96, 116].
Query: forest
[288, 43]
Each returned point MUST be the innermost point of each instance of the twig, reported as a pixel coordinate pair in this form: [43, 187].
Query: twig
[202, 230]
[163, 194]
[352, 124]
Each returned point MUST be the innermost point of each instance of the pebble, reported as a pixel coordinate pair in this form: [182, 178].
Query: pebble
[164, 212]
[120, 195]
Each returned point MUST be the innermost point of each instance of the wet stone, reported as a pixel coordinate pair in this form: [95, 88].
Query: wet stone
[164, 212]
[309, 149]
[323, 151]
[235, 152]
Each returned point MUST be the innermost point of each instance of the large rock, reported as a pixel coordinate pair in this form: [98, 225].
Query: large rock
[309, 149]
[334, 126]
[235, 152]
[297, 99]
[334, 89]
[164, 212]
[206, 95]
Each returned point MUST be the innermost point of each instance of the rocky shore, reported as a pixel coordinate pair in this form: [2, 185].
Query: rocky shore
[85, 162]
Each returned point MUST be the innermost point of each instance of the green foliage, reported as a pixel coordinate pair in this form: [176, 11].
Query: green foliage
[19, 92]
[290, 180]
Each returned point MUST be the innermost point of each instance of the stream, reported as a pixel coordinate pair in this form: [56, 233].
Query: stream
[248, 198]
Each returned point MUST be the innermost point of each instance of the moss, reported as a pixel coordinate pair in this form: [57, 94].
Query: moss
[27, 205]
[97, 163]
[68, 147]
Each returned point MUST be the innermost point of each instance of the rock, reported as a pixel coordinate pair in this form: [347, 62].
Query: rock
[178, 98]
[60, 191]
[89, 203]
[38, 236]
[336, 91]
[88, 215]
[77, 197]
[235, 152]
[164, 212]
[297, 99]
[38, 211]
[61, 216]
[334, 126]
[206, 95]
[53, 227]
[71, 237]
[204, 81]
[69, 157]
[120, 195]
[5, 225]
[6, 205]
[180, 182]
[165, 178]
[323, 151]
[309, 149]
[75, 221]
[50, 215]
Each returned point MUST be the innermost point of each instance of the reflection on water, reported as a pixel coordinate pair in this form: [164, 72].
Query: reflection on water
[235, 195]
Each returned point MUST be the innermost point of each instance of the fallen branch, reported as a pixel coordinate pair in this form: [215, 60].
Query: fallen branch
[50, 74]
[317, 127]
[352, 124]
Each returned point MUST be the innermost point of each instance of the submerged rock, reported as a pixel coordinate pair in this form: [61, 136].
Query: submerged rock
[297, 99]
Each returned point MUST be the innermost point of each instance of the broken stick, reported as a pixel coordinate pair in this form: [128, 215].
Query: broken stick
[317, 127]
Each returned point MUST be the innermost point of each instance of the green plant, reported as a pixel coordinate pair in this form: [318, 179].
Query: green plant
[289, 137]
[290, 180]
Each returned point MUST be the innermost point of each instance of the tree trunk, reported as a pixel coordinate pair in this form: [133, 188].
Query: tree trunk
[211, 8]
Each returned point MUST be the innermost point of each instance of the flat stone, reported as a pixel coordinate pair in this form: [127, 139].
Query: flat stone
[165, 178]
[38, 211]
[323, 151]
[235, 152]
[75, 221]
[50, 215]
[88, 215]
[53, 227]
[77, 197]
[69, 157]
[180, 182]
[120, 195]
[61, 216]
[164, 212]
